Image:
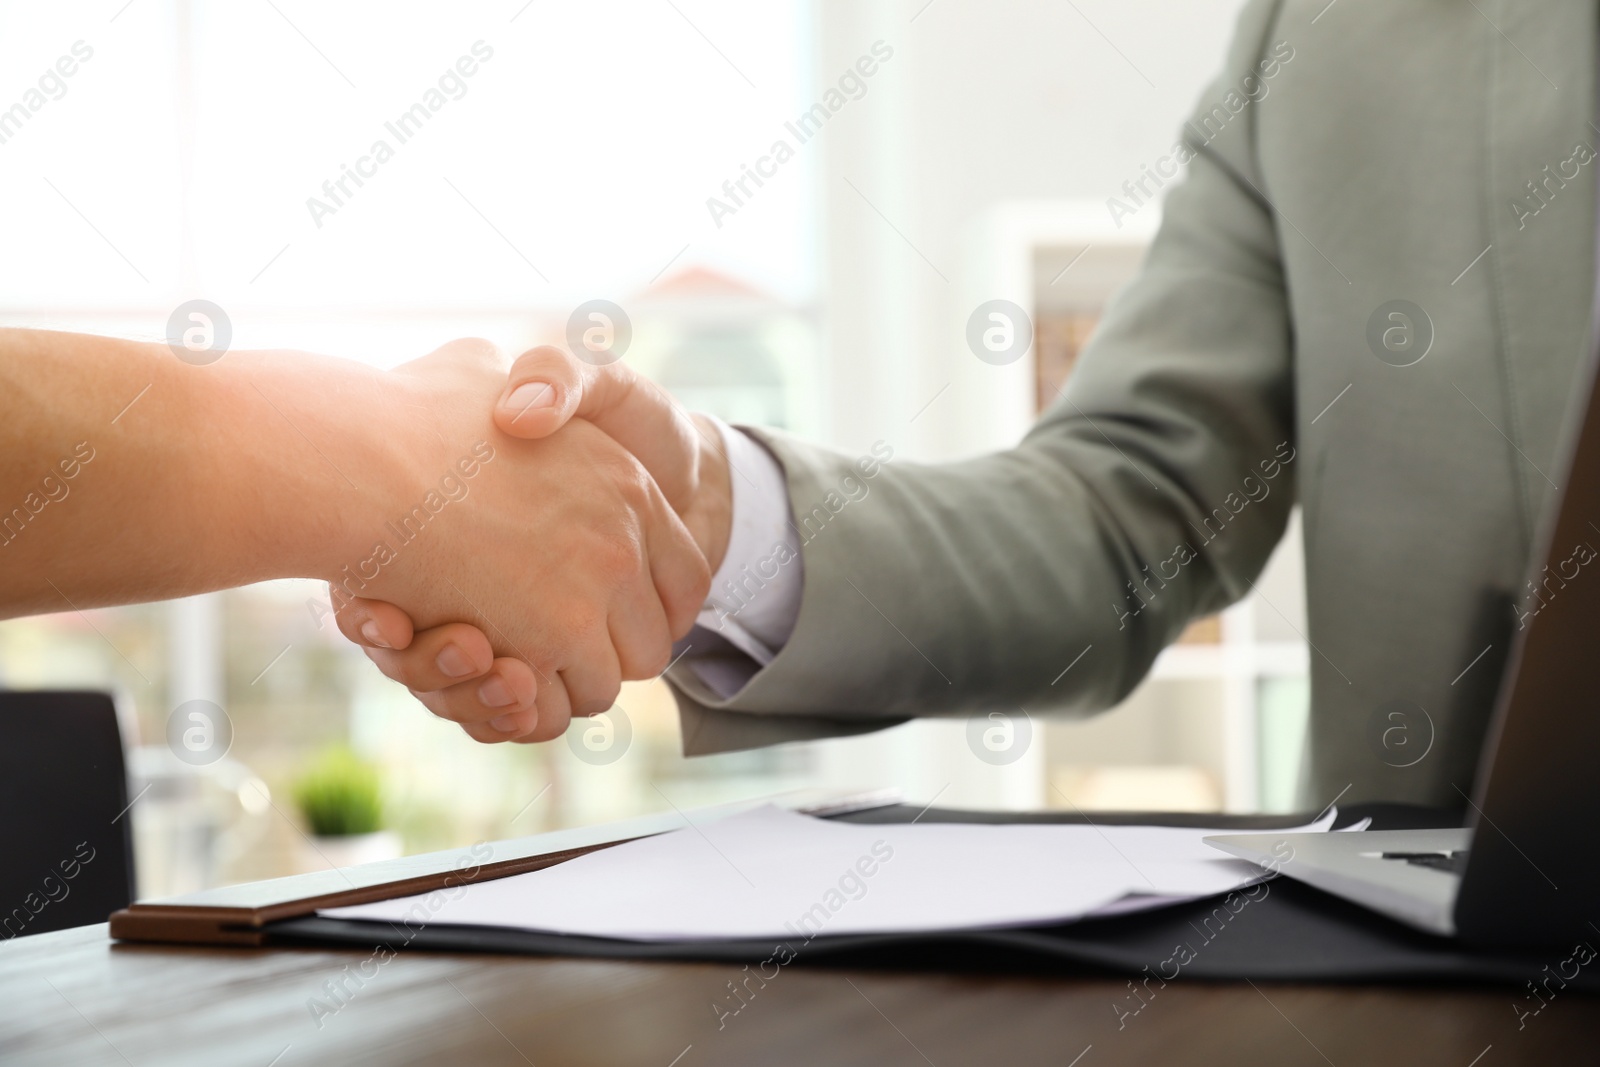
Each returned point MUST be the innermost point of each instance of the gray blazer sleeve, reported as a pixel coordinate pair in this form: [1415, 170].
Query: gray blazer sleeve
[1153, 491]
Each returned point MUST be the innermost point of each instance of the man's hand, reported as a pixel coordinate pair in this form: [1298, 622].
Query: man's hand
[545, 390]
[546, 570]
[683, 453]
[575, 569]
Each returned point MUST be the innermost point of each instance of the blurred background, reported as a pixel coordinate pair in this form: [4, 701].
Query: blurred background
[962, 153]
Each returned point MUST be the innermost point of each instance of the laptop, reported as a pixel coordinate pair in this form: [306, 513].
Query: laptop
[1526, 869]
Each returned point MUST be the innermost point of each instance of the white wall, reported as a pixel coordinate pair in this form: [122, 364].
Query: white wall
[981, 104]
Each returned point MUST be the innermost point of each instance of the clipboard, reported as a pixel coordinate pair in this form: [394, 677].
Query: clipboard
[1294, 933]
[240, 915]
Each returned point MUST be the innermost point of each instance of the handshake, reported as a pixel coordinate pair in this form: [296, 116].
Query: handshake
[574, 513]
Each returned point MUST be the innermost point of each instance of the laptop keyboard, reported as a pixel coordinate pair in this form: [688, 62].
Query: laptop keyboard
[1449, 862]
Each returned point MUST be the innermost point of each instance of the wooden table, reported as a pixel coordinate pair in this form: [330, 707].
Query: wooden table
[75, 998]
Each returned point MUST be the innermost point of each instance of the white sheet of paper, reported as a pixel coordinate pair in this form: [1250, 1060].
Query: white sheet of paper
[773, 873]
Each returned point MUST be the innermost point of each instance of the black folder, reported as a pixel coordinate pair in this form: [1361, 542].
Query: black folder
[1283, 931]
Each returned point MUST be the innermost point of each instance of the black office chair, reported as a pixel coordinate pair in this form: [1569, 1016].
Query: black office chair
[66, 847]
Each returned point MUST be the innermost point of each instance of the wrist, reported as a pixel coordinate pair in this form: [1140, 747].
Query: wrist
[342, 471]
[709, 516]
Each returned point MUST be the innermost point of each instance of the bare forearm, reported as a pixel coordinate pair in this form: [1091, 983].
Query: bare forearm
[130, 475]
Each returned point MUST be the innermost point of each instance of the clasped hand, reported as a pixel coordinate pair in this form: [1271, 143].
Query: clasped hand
[581, 552]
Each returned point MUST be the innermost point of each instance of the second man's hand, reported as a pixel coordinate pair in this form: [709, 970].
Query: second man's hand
[546, 389]
[683, 453]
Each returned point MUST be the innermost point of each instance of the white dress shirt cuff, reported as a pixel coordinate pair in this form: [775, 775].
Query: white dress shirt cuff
[755, 594]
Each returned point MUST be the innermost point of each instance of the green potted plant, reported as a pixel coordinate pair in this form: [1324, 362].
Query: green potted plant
[340, 796]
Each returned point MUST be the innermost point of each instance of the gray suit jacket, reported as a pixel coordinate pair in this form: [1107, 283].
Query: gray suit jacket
[1400, 141]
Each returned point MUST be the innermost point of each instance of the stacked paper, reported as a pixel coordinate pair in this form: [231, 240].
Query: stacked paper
[773, 873]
